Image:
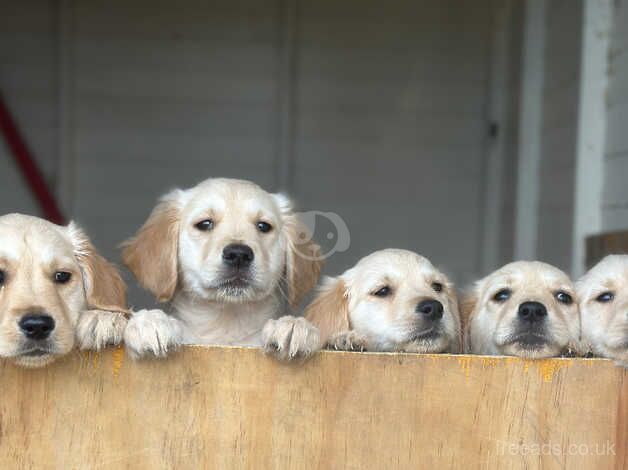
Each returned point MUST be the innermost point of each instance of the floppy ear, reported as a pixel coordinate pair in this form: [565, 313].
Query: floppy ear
[467, 304]
[104, 287]
[303, 255]
[329, 311]
[152, 254]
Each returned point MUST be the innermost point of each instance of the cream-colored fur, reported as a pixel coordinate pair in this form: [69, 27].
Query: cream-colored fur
[603, 294]
[350, 316]
[290, 338]
[493, 327]
[89, 309]
[184, 266]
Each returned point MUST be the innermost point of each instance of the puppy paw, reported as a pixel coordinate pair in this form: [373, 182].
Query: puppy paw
[290, 337]
[347, 341]
[97, 329]
[152, 333]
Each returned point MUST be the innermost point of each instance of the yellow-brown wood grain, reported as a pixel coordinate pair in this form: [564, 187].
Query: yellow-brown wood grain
[236, 408]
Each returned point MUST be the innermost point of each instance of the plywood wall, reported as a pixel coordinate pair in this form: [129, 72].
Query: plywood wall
[235, 408]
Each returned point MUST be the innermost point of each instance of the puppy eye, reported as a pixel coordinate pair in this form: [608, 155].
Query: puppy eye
[437, 286]
[264, 227]
[604, 297]
[205, 225]
[502, 296]
[383, 292]
[62, 277]
[2, 278]
[564, 298]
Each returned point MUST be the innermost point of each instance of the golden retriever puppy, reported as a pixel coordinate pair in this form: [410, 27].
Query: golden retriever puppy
[525, 309]
[228, 256]
[603, 294]
[391, 300]
[54, 289]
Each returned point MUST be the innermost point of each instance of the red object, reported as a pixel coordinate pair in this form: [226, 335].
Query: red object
[28, 167]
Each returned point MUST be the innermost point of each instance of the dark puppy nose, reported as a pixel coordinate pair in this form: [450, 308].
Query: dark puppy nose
[37, 326]
[532, 312]
[238, 256]
[430, 309]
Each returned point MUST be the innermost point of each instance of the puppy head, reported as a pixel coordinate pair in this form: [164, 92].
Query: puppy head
[223, 240]
[525, 309]
[603, 294]
[48, 276]
[396, 299]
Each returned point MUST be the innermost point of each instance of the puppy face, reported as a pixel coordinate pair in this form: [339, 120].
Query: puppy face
[48, 276]
[223, 240]
[396, 299]
[525, 309]
[603, 294]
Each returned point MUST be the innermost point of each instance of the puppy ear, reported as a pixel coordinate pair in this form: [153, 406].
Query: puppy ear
[104, 287]
[303, 255]
[329, 311]
[152, 254]
[467, 305]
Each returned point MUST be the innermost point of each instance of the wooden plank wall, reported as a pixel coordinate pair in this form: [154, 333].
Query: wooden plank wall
[615, 191]
[235, 408]
[388, 108]
[28, 83]
[559, 131]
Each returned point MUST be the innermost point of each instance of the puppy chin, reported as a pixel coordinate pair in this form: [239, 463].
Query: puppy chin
[530, 350]
[34, 355]
[429, 344]
[235, 293]
[426, 346]
[34, 362]
[616, 347]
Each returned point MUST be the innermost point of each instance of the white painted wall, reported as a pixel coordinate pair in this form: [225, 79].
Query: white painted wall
[615, 194]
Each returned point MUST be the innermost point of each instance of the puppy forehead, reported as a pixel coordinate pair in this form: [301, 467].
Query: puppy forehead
[225, 195]
[530, 274]
[20, 234]
[40, 239]
[610, 273]
[393, 265]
